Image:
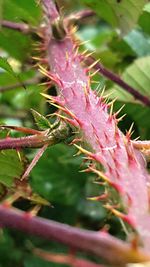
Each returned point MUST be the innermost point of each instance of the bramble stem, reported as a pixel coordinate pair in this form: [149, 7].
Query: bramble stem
[31, 141]
[101, 244]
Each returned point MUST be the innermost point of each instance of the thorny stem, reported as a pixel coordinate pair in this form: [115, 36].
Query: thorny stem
[37, 139]
[101, 244]
[115, 78]
[21, 27]
[31, 141]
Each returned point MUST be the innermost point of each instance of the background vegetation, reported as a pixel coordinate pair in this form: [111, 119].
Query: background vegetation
[119, 35]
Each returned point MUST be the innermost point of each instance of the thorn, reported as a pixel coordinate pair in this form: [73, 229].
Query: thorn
[48, 83]
[100, 174]
[92, 65]
[112, 102]
[42, 60]
[95, 82]
[82, 150]
[94, 73]
[99, 198]
[120, 119]
[73, 122]
[130, 132]
[85, 42]
[76, 52]
[76, 140]
[102, 93]
[90, 54]
[55, 99]
[19, 155]
[119, 110]
[10, 200]
[33, 212]
[51, 76]
[124, 217]
[84, 52]
[85, 170]
[91, 156]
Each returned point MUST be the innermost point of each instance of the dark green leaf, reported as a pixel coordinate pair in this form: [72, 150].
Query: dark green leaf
[11, 167]
[56, 176]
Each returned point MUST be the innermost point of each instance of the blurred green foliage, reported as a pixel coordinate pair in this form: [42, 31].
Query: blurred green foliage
[120, 36]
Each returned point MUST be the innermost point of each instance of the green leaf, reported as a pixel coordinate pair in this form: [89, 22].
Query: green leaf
[27, 11]
[136, 75]
[139, 42]
[11, 167]
[40, 120]
[7, 67]
[56, 176]
[145, 19]
[21, 45]
[121, 14]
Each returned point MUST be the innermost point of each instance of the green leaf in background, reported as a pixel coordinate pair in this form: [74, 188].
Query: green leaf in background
[15, 43]
[56, 176]
[138, 42]
[21, 44]
[28, 11]
[144, 19]
[137, 75]
[121, 14]
[4, 64]
[10, 167]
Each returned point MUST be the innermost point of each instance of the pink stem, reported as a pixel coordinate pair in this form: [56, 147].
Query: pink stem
[100, 244]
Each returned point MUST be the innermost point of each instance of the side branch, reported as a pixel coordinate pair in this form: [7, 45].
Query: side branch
[115, 78]
[100, 244]
[21, 27]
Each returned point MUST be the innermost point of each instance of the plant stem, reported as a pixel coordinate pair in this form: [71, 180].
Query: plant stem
[79, 15]
[50, 10]
[31, 141]
[115, 78]
[21, 27]
[100, 244]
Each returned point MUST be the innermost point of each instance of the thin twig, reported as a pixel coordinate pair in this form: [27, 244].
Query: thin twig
[100, 244]
[79, 15]
[115, 78]
[34, 161]
[21, 27]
